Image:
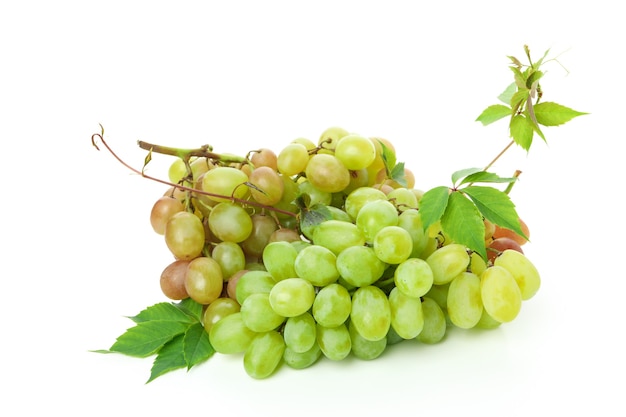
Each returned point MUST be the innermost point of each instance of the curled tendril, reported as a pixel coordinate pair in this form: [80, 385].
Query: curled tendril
[99, 137]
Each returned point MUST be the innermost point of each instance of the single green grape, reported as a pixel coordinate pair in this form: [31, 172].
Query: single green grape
[258, 314]
[335, 342]
[375, 215]
[500, 294]
[327, 173]
[524, 272]
[217, 310]
[393, 245]
[264, 354]
[230, 335]
[230, 222]
[332, 305]
[413, 277]
[292, 296]
[302, 360]
[359, 266]
[253, 282]
[299, 332]
[407, 317]
[355, 151]
[230, 257]
[337, 235]
[447, 262]
[316, 264]
[464, 303]
[279, 259]
[225, 181]
[434, 322]
[363, 348]
[371, 313]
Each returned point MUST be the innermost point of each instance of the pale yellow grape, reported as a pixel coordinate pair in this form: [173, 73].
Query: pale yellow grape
[184, 235]
[413, 277]
[407, 317]
[225, 181]
[464, 303]
[501, 296]
[524, 272]
[355, 151]
[327, 173]
[371, 313]
[434, 322]
[217, 310]
[359, 197]
[447, 262]
[292, 159]
[204, 280]
[264, 354]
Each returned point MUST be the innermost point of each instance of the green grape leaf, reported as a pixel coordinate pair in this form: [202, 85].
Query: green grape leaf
[433, 204]
[493, 113]
[552, 114]
[464, 224]
[518, 99]
[192, 308]
[520, 79]
[397, 174]
[495, 206]
[486, 177]
[507, 94]
[165, 312]
[146, 338]
[314, 215]
[462, 173]
[169, 358]
[522, 131]
[196, 345]
[389, 156]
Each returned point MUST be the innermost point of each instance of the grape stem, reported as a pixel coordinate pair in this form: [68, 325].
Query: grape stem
[203, 151]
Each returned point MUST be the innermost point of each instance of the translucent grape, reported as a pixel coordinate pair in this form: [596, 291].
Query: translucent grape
[230, 222]
[393, 245]
[335, 342]
[293, 159]
[299, 332]
[375, 215]
[253, 282]
[204, 281]
[327, 173]
[464, 303]
[279, 259]
[161, 212]
[413, 277]
[337, 235]
[363, 348]
[359, 197]
[230, 257]
[292, 296]
[173, 280]
[332, 305]
[407, 317]
[434, 322]
[524, 272]
[317, 265]
[258, 314]
[302, 360]
[217, 310]
[267, 187]
[371, 313]
[359, 266]
[502, 298]
[355, 151]
[264, 354]
[411, 221]
[447, 262]
[184, 235]
[225, 181]
[230, 335]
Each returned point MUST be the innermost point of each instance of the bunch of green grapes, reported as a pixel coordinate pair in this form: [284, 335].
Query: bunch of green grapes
[366, 276]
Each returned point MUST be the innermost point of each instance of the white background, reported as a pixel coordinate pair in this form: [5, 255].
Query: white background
[79, 255]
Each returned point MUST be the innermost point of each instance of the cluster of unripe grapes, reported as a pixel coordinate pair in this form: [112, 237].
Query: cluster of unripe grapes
[358, 273]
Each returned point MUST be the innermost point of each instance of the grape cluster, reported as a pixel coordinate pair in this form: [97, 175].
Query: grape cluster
[317, 251]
